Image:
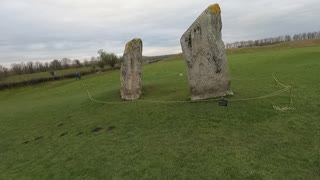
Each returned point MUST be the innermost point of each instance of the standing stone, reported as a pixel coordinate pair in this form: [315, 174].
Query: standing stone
[131, 70]
[205, 56]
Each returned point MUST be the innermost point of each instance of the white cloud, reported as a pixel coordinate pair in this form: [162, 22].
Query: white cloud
[49, 29]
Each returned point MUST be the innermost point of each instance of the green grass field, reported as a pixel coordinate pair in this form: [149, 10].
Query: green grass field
[46, 130]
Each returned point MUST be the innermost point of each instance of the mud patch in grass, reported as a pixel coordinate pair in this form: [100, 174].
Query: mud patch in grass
[96, 129]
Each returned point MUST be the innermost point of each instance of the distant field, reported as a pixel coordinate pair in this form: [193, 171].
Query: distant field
[286, 45]
[294, 44]
[51, 131]
[26, 77]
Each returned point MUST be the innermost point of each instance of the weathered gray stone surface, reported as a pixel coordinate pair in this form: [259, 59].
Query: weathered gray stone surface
[205, 56]
[131, 70]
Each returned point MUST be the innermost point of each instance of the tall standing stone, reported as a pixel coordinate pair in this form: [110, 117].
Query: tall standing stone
[131, 70]
[205, 56]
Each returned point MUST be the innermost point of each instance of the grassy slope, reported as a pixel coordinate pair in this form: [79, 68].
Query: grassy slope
[286, 45]
[247, 140]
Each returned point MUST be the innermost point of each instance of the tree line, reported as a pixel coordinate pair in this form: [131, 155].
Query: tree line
[110, 59]
[104, 59]
[274, 40]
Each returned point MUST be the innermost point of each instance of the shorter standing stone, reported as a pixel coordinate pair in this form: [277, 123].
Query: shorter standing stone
[131, 70]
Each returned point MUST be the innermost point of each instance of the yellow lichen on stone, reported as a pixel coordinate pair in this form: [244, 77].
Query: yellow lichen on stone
[215, 8]
[137, 40]
[128, 44]
[133, 40]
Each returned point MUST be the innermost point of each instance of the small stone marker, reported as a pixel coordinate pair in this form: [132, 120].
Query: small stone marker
[223, 102]
[131, 70]
[205, 56]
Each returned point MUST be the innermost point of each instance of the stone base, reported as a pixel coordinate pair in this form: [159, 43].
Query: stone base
[209, 96]
[129, 97]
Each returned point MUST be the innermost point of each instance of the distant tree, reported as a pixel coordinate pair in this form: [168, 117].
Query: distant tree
[287, 38]
[113, 59]
[3, 72]
[55, 65]
[46, 66]
[93, 62]
[120, 58]
[103, 56]
[108, 58]
[30, 68]
[25, 68]
[100, 64]
[40, 67]
[16, 69]
[37, 66]
[86, 63]
[65, 63]
[274, 40]
[76, 63]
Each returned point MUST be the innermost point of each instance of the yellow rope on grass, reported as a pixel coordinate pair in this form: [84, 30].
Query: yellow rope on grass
[286, 88]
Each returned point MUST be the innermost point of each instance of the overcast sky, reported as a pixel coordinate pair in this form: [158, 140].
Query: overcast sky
[38, 30]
